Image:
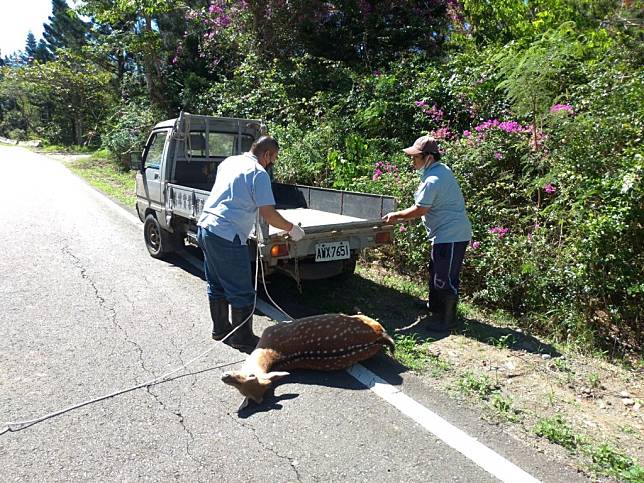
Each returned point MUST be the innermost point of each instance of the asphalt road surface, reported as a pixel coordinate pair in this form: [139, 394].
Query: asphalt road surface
[85, 311]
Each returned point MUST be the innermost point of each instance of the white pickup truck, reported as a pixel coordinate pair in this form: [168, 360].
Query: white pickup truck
[177, 171]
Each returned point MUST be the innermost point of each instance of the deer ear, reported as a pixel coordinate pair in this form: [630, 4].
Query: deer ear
[243, 404]
[276, 375]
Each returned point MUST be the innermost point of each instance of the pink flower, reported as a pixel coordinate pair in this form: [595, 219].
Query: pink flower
[499, 231]
[420, 103]
[549, 188]
[365, 7]
[507, 126]
[402, 229]
[511, 126]
[435, 113]
[442, 133]
[498, 155]
[376, 175]
[466, 134]
[562, 107]
[476, 245]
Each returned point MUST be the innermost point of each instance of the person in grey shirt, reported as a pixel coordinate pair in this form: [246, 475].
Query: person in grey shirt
[242, 189]
[439, 202]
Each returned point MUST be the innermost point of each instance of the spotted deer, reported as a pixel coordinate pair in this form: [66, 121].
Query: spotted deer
[322, 342]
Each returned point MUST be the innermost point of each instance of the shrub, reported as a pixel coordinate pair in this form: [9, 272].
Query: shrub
[129, 129]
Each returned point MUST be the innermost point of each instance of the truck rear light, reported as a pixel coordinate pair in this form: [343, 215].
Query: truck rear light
[383, 237]
[280, 250]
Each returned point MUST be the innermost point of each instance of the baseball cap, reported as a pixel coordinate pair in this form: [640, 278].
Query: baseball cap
[423, 145]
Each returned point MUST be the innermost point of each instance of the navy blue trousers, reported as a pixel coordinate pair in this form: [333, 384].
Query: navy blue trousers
[228, 269]
[445, 266]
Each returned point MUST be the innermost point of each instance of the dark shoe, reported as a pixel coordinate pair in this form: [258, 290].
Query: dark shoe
[219, 314]
[431, 304]
[446, 318]
[243, 338]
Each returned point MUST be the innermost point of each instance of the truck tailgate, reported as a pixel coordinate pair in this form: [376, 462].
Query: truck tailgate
[316, 221]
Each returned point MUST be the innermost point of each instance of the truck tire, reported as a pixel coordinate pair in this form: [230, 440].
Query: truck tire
[158, 241]
[348, 269]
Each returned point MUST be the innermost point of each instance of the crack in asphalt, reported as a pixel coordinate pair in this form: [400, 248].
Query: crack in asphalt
[66, 250]
[292, 461]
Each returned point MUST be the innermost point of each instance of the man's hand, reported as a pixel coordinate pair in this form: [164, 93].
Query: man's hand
[410, 213]
[390, 217]
[296, 233]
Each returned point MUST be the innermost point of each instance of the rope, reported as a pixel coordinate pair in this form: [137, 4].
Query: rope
[15, 426]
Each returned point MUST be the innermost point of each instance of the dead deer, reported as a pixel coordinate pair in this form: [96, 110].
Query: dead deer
[322, 342]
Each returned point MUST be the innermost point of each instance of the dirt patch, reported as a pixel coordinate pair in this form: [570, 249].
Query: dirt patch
[66, 158]
[588, 406]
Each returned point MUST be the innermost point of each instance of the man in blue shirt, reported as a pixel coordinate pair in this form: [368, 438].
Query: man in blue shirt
[242, 188]
[439, 201]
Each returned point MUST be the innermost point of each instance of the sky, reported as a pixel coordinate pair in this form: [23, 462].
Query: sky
[17, 18]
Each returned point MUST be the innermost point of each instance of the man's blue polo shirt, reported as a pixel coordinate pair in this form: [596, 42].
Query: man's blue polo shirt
[241, 186]
[446, 221]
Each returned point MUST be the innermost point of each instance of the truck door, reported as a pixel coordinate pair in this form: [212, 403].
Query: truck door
[152, 165]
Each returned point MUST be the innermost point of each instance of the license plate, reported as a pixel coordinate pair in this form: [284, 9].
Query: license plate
[325, 252]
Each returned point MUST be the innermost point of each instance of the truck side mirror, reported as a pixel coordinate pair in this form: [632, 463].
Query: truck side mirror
[137, 162]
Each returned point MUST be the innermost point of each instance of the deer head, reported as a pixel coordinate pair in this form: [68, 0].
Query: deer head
[252, 386]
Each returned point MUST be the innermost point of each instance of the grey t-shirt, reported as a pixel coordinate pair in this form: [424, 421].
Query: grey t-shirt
[242, 185]
[446, 221]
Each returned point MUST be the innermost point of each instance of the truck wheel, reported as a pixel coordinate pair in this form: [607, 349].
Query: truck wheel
[348, 268]
[158, 241]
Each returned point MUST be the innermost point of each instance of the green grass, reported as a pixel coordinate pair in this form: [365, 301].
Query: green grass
[503, 405]
[558, 431]
[106, 175]
[56, 148]
[415, 355]
[502, 342]
[397, 282]
[480, 385]
[608, 461]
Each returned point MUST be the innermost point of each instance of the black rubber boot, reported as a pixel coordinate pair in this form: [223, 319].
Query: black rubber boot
[446, 319]
[219, 314]
[432, 304]
[243, 338]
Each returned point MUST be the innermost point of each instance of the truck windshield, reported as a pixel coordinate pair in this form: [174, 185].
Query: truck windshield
[219, 144]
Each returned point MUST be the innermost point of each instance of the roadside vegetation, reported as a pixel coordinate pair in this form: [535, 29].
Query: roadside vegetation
[539, 109]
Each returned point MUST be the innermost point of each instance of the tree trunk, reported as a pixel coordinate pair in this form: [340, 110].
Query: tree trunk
[152, 69]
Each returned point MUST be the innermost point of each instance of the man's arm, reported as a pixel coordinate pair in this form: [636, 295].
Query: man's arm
[410, 213]
[272, 216]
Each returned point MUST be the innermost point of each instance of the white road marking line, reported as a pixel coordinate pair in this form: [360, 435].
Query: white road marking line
[486, 458]
[489, 460]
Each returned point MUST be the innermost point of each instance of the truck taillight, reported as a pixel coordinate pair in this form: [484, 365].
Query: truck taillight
[383, 237]
[280, 250]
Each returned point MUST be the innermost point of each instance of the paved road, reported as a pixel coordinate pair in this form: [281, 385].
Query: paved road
[85, 311]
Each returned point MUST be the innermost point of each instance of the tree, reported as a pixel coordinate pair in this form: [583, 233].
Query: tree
[135, 25]
[71, 93]
[533, 77]
[42, 52]
[30, 48]
[65, 28]
[360, 33]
